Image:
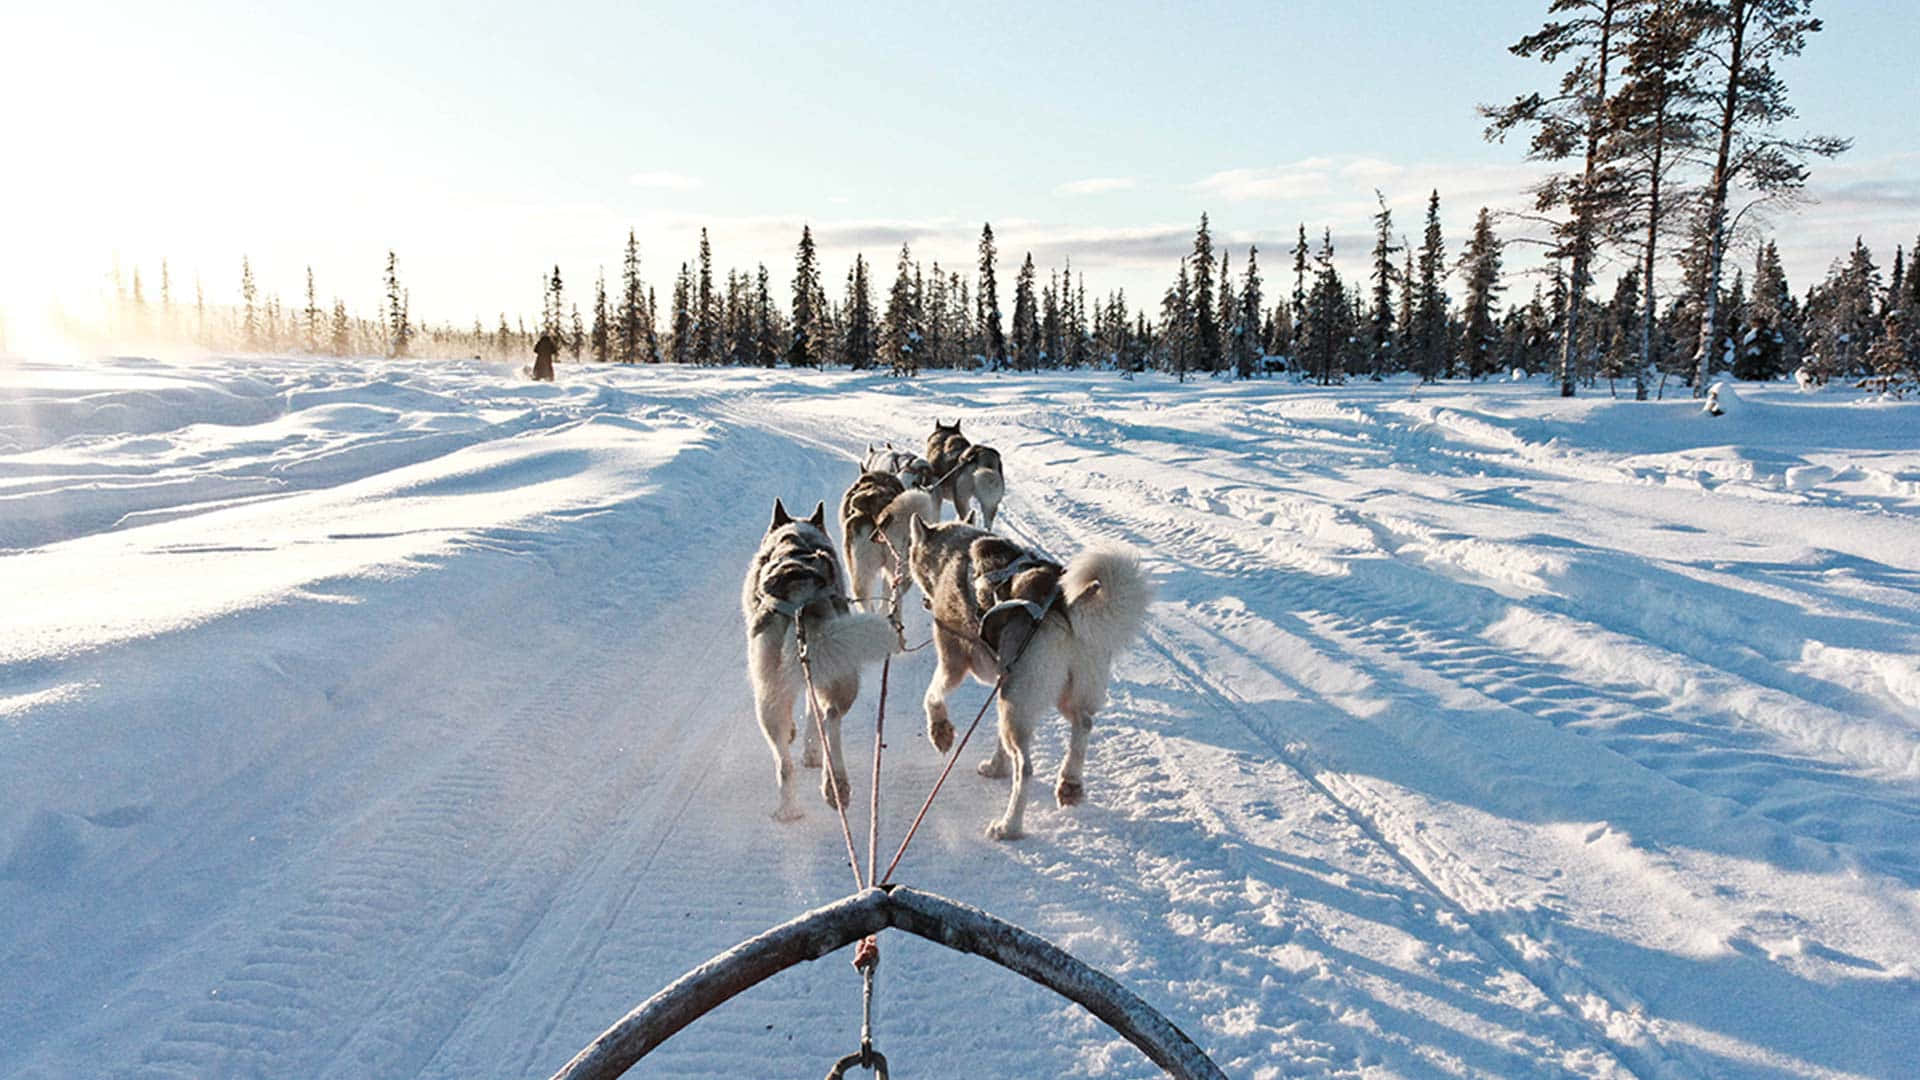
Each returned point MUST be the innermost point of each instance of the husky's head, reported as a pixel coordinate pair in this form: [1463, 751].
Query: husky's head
[781, 518]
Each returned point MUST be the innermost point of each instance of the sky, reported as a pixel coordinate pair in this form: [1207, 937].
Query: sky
[485, 143]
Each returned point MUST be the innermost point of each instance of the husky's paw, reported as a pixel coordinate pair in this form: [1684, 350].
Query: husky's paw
[993, 768]
[1070, 792]
[788, 812]
[810, 755]
[940, 731]
[836, 791]
[1000, 830]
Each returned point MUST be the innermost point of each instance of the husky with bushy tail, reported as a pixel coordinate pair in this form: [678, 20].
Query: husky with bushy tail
[966, 473]
[1053, 630]
[795, 589]
[873, 522]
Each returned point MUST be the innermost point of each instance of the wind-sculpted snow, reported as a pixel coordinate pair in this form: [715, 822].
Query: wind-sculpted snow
[387, 719]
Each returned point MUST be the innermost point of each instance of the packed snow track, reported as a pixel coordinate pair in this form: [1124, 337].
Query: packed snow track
[389, 719]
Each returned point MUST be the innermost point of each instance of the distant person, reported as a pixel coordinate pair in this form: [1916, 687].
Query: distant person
[544, 351]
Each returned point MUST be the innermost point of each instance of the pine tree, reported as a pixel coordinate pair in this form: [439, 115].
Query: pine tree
[1479, 345]
[1743, 39]
[1050, 335]
[602, 351]
[1840, 314]
[577, 337]
[1572, 123]
[1656, 116]
[993, 346]
[1206, 327]
[1770, 346]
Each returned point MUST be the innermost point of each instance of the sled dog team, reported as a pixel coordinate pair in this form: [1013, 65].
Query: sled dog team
[998, 608]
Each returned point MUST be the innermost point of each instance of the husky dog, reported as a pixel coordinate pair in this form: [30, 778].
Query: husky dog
[998, 607]
[795, 588]
[873, 521]
[967, 472]
[912, 470]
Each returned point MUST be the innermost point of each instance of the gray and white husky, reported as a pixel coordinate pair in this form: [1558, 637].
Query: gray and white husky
[967, 472]
[795, 587]
[912, 470]
[877, 506]
[990, 596]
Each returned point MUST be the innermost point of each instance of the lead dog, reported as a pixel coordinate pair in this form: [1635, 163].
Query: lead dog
[965, 472]
[989, 597]
[795, 587]
[873, 522]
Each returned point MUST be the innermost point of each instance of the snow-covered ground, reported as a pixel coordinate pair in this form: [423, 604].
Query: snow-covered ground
[387, 719]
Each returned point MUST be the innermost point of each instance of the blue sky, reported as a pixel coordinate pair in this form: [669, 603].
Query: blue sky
[486, 141]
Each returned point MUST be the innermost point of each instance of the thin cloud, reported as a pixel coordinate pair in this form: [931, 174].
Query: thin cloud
[664, 180]
[1097, 185]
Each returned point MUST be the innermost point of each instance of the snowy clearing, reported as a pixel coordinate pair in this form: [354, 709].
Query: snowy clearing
[388, 719]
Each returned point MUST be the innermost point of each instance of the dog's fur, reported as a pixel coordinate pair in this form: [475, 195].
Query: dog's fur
[911, 469]
[795, 583]
[971, 472]
[879, 504]
[1093, 607]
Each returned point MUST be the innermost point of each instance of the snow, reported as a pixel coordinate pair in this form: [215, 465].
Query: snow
[368, 718]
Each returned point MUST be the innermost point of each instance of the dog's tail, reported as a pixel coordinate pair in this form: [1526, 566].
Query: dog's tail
[840, 646]
[1106, 593]
[911, 503]
[988, 486]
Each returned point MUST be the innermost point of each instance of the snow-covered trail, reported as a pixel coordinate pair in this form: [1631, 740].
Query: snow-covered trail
[386, 720]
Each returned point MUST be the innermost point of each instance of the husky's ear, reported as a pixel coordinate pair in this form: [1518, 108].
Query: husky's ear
[780, 516]
[916, 530]
[819, 518]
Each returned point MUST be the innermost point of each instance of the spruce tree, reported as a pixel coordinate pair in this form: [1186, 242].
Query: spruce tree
[862, 340]
[808, 346]
[1380, 326]
[1479, 344]
[577, 337]
[629, 340]
[602, 351]
[250, 320]
[681, 348]
[1300, 253]
[706, 324]
[765, 325]
[1429, 330]
[993, 345]
[399, 332]
[1246, 333]
[312, 313]
[340, 340]
[902, 336]
[1206, 327]
[1026, 319]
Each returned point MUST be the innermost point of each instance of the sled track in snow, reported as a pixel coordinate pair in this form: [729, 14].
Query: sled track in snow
[1448, 876]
